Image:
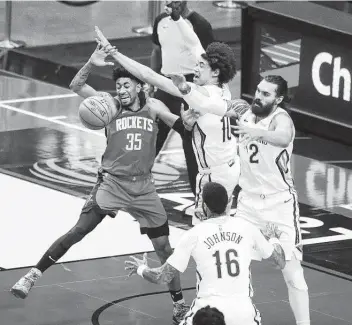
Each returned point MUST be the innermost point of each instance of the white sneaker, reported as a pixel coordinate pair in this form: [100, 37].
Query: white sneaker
[22, 287]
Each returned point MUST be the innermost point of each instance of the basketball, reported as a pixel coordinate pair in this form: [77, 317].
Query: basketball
[96, 112]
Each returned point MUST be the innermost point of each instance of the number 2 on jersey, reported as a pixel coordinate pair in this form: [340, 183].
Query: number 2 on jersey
[253, 157]
[233, 268]
[134, 141]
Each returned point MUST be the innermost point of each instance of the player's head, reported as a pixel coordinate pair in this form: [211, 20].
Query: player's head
[216, 66]
[128, 89]
[179, 6]
[271, 92]
[215, 200]
[208, 316]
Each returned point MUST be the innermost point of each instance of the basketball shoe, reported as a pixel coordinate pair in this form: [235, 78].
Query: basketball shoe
[22, 287]
[180, 310]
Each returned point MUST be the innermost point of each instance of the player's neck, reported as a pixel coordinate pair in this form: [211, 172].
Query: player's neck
[135, 107]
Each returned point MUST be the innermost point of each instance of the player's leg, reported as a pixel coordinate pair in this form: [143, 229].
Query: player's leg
[90, 217]
[151, 215]
[287, 211]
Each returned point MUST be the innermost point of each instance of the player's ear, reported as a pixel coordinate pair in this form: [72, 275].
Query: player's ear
[279, 100]
[138, 88]
[216, 72]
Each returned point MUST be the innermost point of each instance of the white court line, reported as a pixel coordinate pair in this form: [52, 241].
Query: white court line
[32, 99]
[49, 119]
[60, 117]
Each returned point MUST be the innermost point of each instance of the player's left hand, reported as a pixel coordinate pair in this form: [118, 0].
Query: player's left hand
[246, 133]
[133, 265]
[271, 231]
[100, 37]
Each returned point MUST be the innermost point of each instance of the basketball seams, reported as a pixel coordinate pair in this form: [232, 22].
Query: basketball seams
[98, 110]
[103, 106]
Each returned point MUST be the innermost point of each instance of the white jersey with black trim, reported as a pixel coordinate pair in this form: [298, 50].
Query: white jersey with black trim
[213, 142]
[265, 169]
[223, 249]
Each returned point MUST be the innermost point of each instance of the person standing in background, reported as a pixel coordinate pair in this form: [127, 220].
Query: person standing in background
[175, 52]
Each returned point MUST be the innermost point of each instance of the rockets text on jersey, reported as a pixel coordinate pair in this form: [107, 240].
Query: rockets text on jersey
[131, 141]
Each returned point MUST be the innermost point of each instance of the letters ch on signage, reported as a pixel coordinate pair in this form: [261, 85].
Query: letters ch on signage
[338, 74]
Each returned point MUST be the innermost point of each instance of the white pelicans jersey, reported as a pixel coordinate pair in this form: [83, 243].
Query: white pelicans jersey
[265, 169]
[213, 142]
[222, 248]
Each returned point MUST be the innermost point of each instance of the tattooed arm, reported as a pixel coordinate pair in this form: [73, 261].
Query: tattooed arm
[78, 84]
[268, 246]
[160, 275]
[278, 255]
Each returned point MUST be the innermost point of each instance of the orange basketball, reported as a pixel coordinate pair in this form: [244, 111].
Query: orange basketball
[96, 112]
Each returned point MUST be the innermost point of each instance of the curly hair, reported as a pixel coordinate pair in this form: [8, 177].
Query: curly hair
[208, 316]
[120, 72]
[221, 56]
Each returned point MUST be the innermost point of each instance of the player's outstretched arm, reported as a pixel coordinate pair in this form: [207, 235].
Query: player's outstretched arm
[278, 255]
[200, 102]
[272, 235]
[78, 83]
[140, 71]
[159, 275]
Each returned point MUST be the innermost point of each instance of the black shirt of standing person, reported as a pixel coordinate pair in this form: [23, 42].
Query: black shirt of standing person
[203, 30]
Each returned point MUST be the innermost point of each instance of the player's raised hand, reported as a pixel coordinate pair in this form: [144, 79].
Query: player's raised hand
[100, 36]
[98, 57]
[132, 266]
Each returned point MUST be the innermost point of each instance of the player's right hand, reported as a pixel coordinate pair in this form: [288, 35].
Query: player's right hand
[98, 57]
[189, 118]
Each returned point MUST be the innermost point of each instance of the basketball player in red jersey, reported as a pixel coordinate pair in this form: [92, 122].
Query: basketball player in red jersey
[124, 180]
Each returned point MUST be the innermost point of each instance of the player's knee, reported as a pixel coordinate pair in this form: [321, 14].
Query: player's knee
[294, 276]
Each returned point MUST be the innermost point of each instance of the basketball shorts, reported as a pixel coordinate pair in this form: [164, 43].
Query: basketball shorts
[226, 174]
[135, 195]
[237, 311]
[280, 209]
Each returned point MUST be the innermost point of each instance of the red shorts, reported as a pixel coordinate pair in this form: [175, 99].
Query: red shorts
[135, 195]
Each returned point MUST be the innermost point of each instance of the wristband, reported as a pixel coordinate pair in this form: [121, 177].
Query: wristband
[274, 241]
[140, 269]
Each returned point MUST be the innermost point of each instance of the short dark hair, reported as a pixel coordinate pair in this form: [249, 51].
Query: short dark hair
[282, 87]
[215, 197]
[221, 56]
[208, 316]
[120, 72]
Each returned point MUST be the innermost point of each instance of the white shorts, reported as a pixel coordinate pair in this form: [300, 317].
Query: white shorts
[280, 209]
[237, 311]
[226, 174]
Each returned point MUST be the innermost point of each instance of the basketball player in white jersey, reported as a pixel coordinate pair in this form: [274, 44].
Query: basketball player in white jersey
[223, 248]
[213, 143]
